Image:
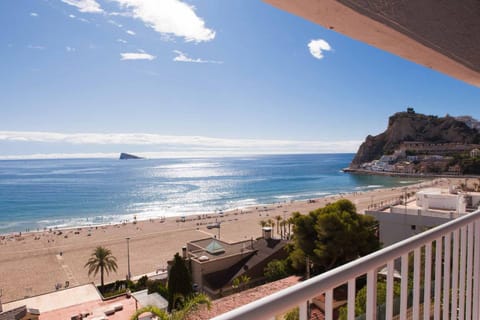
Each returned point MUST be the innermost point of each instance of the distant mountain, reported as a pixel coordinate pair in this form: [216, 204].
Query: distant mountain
[411, 126]
[127, 156]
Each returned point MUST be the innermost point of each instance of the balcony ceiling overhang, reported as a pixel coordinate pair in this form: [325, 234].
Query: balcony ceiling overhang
[443, 35]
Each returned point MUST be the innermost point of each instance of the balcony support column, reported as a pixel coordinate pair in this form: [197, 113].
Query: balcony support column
[303, 311]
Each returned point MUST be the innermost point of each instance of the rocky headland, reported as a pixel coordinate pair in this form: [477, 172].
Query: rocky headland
[415, 143]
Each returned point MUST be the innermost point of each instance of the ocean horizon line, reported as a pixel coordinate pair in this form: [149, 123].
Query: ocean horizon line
[153, 155]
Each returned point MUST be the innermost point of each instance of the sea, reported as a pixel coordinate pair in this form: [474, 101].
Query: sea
[61, 193]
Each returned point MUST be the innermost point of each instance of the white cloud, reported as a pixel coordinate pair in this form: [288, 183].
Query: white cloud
[121, 40]
[90, 6]
[70, 49]
[317, 47]
[71, 16]
[35, 47]
[136, 56]
[130, 32]
[120, 14]
[115, 23]
[169, 17]
[181, 145]
[33, 14]
[182, 57]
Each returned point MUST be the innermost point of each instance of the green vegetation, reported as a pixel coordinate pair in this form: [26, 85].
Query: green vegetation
[278, 219]
[158, 287]
[241, 283]
[293, 314]
[361, 299]
[101, 260]
[276, 270]
[332, 236]
[187, 307]
[468, 164]
[283, 226]
[179, 281]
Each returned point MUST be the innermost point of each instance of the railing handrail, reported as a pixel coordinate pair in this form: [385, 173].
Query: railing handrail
[298, 293]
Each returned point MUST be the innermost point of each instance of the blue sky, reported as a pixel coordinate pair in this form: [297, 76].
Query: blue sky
[215, 77]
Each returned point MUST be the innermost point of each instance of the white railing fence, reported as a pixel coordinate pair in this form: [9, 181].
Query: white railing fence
[440, 279]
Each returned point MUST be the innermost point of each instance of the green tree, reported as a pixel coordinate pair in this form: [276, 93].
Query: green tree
[179, 280]
[275, 270]
[334, 235]
[101, 260]
[158, 287]
[189, 306]
[361, 299]
[290, 221]
[283, 224]
[142, 283]
[278, 218]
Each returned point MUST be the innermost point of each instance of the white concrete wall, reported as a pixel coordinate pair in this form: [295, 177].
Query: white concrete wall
[420, 212]
[395, 227]
[437, 201]
[476, 200]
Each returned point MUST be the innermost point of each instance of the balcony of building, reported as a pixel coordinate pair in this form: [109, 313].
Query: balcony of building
[437, 272]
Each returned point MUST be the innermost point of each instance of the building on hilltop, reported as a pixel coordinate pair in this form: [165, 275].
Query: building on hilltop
[423, 147]
[475, 153]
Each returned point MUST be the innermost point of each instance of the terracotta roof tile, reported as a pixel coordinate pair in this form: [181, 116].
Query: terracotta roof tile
[236, 300]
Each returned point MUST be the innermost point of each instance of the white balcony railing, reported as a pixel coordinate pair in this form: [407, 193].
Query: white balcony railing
[445, 274]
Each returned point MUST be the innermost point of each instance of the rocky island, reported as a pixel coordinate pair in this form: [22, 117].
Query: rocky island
[418, 144]
[127, 156]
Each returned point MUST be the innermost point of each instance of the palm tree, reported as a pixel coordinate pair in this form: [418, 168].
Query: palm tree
[278, 218]
[270, 223]
[241, 282]
[291, 221]
[263, 223]
[236, 284]
[245, 280]
[189, 306]
[283, 225]
[103, 260]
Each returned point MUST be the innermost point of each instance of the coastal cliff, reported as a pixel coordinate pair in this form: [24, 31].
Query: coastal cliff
[411, 126]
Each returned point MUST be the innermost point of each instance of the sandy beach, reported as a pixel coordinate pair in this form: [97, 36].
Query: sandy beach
[34, 263]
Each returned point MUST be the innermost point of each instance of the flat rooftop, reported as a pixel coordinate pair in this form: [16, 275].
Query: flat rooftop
[58, 299]
[95, 309]
[199, 248]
